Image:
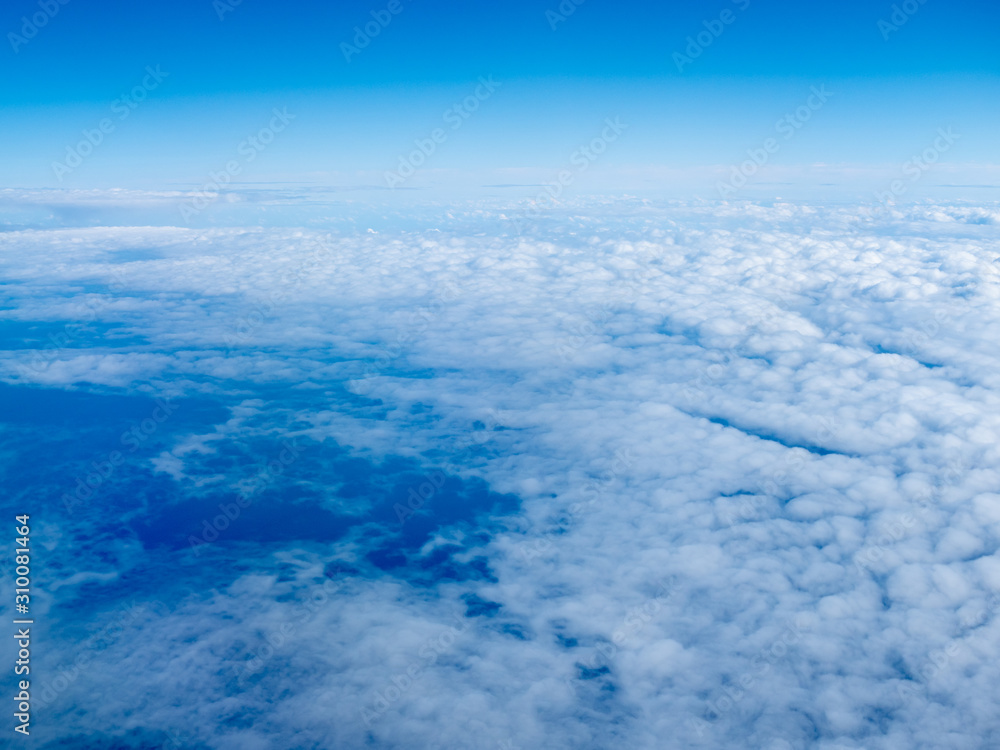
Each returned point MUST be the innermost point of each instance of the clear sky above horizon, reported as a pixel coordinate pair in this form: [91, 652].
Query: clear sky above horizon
[689, 101]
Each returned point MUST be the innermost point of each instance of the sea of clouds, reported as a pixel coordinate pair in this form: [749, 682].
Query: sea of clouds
[617, 473]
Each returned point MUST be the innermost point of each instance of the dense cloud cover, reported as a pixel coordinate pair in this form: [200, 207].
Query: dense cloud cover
[621, 473]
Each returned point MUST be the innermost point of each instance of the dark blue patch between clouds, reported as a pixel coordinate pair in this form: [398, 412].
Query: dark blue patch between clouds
[325, 499]
[48, 339]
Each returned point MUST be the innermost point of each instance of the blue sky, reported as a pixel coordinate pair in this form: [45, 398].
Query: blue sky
[354, 119]
[396, 401]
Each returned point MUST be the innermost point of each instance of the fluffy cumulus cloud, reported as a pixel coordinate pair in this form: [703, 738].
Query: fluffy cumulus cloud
[621, 473]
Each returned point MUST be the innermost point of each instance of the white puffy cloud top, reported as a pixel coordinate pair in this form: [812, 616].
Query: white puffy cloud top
[756, 449]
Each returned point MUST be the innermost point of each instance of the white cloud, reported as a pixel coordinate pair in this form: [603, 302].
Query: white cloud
[788, 411]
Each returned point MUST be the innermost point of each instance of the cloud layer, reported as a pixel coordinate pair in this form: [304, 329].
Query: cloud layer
[621, 473]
